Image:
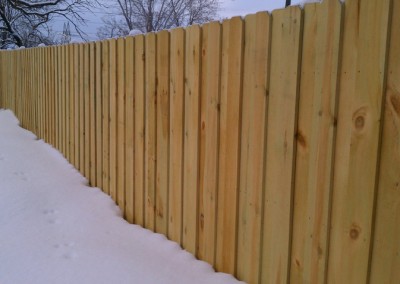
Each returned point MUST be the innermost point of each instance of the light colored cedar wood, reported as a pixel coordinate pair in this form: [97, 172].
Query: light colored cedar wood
[129, 128]
[86, 90]
[121, 124]
[35, 99]
[67, 103]
[46, 91]
[99, 116]
[63, 105]
[177, 88]
[191, 138]
[202, 138]
[56, 97]
[43, 82]
[59, 128]
[358, 134]
[81, 111]
[210, 111]
[230, 122]
[113, 118]
[139, 129]
[105, 59]
[38, 96]
[150, 130]
[76, 105]
[61, 94]
[386, 246]
[22, 102]
[92, 123]
[42, 89]
[72, 104]
[255, 91]
[163, 100]
[315, 141]
[59, 97]
[52, 94]
[49, 92]
[281, 146]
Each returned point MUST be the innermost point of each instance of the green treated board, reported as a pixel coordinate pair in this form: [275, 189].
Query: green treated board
[386, 246]
[191, 138]
[177, 89]
[255, 90]
[121, 124]
[209, 133]
[150, 130]
[229, 152]
[139, 129]
[130, 128]
[92, 113]
[315, 141]
[99, 116]
[281, 146]
[113, 116]
[358, 134]
[163, 100]
[76, 107]
[105, 58]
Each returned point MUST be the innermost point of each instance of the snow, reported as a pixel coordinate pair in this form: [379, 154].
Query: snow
[55, 229]
[135, 32]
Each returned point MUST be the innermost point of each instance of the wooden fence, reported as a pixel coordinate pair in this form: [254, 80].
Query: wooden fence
[267, 146]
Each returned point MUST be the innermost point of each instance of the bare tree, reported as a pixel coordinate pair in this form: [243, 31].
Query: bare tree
[23, 22]
[112, 27]
[154, 15]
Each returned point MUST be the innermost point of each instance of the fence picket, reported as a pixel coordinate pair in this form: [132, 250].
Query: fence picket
[139, 129]
[386, 247]
[163, 125]
[150, 130]
[266, 146]
[209, 139]
[315, 141]
[191, 138]
[130, 129]
[255, 90]
[358, 135]
[177, 88]
[229, 152]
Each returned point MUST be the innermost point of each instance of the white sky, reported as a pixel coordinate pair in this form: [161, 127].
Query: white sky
[229, 8]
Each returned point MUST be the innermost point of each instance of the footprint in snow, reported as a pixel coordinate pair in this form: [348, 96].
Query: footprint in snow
[2, 158]
[67, 250]
[51, 213]
[21, 176]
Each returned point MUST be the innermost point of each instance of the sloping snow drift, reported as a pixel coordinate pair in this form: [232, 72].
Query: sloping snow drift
[55, 229]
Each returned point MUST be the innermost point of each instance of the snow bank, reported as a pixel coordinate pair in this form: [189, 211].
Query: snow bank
[55, 229]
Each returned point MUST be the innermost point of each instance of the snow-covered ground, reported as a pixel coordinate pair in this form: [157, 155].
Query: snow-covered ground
[55, 229]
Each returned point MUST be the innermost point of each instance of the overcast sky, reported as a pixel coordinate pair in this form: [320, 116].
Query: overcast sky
[229, 8]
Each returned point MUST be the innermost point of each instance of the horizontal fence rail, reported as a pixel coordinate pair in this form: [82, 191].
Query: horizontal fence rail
[267, 146]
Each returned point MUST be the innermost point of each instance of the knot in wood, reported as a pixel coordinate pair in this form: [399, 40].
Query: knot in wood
[354, 233]
[360, 122]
